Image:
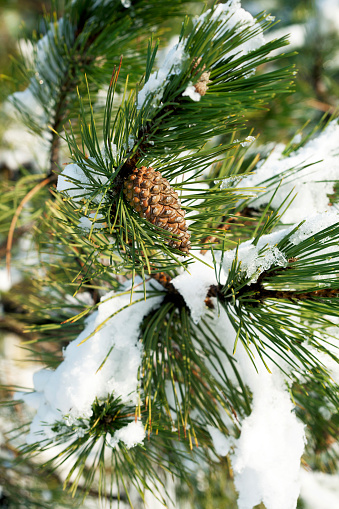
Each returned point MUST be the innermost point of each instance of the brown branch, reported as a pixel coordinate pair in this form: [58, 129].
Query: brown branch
[222, 226]
[326, 293]
[260, 293]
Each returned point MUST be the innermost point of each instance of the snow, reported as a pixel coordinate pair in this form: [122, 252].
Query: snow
[248, 141]
[254, 260]
[266, 457]
[157, 81]
[312, 184]
[221, 443]
[192, 93]
[21, 147]
[194, 283]
[328, 15]
[48, 62]
[266, 461]
[132, 435]
[296, 37]
[7, 280]
[319, 490]
[232, 16]
[50, 69]
[257, 259]
[124, 3]
[76, 184]
[67, 393]
[86, 224]
[28, 104]
[313, 225]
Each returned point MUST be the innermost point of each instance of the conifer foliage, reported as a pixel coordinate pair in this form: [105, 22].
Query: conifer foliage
[184, 302]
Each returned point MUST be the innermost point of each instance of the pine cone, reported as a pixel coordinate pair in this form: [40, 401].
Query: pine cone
[202, 85]
[152, 196]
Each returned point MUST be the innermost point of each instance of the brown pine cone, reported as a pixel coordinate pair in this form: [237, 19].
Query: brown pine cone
[152, 196]
[202, 85]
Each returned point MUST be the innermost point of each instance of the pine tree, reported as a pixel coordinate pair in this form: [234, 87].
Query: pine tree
[184, 294]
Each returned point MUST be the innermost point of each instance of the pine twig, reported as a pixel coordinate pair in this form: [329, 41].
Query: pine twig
[223, 226]
[29, 195]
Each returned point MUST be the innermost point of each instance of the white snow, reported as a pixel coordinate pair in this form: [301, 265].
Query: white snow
[132, 435]
[192, 93]
[67, 393]
[22, 147]
[221, 443]
[74, 182]
[253, 263]
[266, 460]
[313, 184]
[157, 81]
[247, 141]
[49, 67]
[124, 3]
[231, 15]
[7, 280]
[328, 15]
[314, 224]
[266, 457]
[296, 37]
[28, 104]
[87, 224]
[319, 490]
[48, 62]
[194, 283]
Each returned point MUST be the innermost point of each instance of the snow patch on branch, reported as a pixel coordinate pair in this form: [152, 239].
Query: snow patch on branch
[222, 444]
[313, 225]
[266, 457]
[232, 16]
[86, 223]
[313, 184]
[194, 283]
[48, 58]
[110, 341]
[254, 260]
[192, 93]
[266, 460]
[79, 183]
[157, 81]
[132, 434]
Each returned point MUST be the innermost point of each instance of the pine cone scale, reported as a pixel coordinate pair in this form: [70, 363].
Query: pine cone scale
[153, 198]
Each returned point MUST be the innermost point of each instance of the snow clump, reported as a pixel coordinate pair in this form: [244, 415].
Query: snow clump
[194, 283]
[38, 100]
[78, 183]
[157, 81]
[318, 163]
[109, 341]
[266, 457]
[232, 16]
